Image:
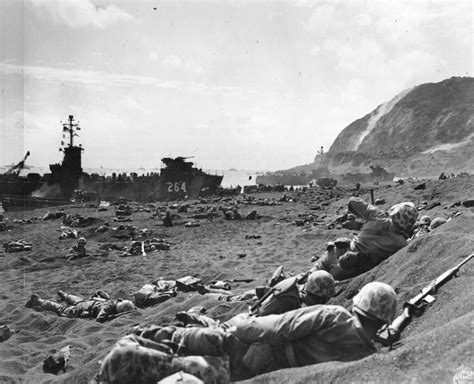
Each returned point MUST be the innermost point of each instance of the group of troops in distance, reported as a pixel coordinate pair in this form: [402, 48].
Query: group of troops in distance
[289, 326]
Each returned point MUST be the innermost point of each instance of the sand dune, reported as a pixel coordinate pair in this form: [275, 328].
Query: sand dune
[434, 347]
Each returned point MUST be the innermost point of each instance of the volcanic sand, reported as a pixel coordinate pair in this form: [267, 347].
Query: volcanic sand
[435, 346]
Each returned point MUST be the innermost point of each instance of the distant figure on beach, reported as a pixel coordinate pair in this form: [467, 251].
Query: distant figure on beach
[78, 250]
[422, 227]
[382, 234]
[17, 246]
[256, 345]
[98, 306]
[167, 220]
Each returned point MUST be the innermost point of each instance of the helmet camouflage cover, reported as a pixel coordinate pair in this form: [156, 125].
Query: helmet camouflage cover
[81, 240]
[378, 300]
[404, 215]
[425, 220]
[321, 283]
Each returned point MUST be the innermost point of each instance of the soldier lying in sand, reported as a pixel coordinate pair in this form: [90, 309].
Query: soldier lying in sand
[98, 306]
[383, 234]
[285, 296]
[17, 246]
[255, 345]
[288, 293]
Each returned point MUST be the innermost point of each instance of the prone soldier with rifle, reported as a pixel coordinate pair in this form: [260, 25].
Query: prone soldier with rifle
[288, 293]
[257, 344]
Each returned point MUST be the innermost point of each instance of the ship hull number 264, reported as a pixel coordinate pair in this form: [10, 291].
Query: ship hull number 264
[177, 186]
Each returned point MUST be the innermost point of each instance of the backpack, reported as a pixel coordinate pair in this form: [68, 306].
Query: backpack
[281, 298]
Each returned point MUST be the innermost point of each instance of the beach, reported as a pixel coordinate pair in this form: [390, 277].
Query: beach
[435, 346]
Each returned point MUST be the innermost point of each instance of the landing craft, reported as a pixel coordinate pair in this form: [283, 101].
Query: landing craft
[322, 177]
[177, 178]
[296, 178]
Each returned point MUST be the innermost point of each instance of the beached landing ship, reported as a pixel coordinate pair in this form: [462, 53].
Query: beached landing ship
[297, 178]
[177, 178]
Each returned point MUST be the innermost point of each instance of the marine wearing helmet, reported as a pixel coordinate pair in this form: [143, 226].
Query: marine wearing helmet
[376, 301]
[404, 216]
[319, 288]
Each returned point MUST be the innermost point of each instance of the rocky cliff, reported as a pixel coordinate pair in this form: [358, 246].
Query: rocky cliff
[422, 132]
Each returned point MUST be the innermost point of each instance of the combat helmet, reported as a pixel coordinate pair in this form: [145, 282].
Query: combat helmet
[425, 220]
[81, 240]
[125, 306]
[404, 215]
[377, 300]
[321, 283]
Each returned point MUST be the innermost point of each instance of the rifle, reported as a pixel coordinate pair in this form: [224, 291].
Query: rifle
[253, 309]
[390, 334]
[240, 280]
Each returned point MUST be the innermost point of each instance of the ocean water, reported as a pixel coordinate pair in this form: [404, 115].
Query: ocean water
[238, 177]
[232, 178]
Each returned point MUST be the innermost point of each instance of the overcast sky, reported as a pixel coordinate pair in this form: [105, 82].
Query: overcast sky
[242, 84]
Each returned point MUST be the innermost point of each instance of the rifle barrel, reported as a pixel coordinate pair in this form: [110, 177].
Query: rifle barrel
[450, 273]
[261, 300]
[438, 282]
[464, 261]
[389, 334]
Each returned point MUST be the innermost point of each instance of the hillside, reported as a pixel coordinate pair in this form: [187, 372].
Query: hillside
[422, 131]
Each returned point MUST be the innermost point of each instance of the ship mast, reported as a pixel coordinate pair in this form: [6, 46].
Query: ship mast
[71, 127]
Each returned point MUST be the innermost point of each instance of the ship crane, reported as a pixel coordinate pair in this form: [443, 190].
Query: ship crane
[16, 169]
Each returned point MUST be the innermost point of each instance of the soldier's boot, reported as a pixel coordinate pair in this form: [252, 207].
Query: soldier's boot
[34, 301]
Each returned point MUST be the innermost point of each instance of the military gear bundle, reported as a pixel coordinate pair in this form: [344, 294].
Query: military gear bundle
[281, 298]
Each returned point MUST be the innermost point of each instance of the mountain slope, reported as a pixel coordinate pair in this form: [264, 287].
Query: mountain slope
[421, 132]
